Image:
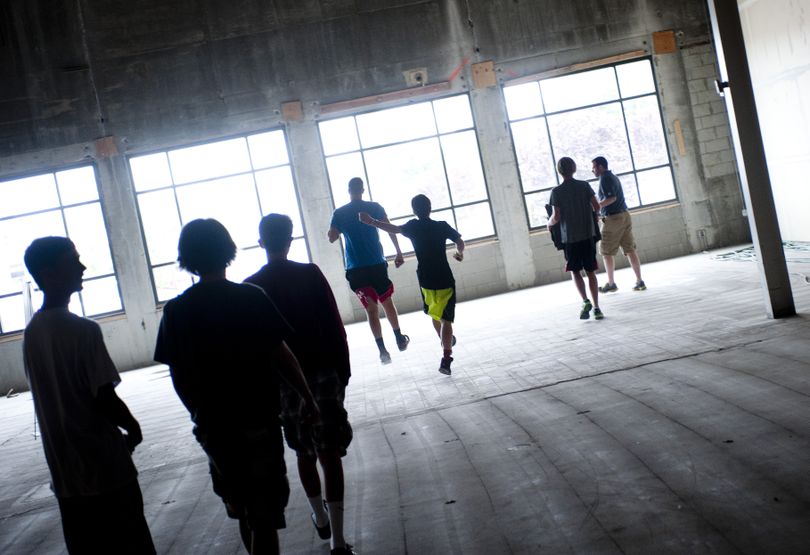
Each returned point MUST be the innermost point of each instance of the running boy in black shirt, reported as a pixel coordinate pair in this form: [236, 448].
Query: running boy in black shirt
[429, 238]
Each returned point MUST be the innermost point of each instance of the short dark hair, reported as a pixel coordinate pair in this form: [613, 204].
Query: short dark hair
[421, 206]
[356, 184]
[600, 161]
[275, 231]
[44, 253]
[566, 166]
[205, 246]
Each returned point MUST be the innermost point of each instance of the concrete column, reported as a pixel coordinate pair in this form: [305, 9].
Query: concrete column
[505, 194]
[753, 167]
[316, 208]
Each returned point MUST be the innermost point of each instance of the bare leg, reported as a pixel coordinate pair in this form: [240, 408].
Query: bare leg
[265, 542]
[635, 263]
[308, 473]
[593, 285]
[446, 335]
[373, 314]
[391, 313]
[580, 283]
[437, 325]
[610, 266]
[332, 475]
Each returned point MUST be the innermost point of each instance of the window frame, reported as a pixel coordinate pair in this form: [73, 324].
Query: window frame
[173, 187]
[620, 100]
[53, 170]
[438, 135]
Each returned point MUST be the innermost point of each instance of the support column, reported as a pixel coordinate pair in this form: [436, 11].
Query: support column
[501, 171]
[735, 80]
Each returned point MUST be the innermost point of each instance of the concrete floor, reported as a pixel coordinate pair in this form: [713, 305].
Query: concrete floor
[679, 424]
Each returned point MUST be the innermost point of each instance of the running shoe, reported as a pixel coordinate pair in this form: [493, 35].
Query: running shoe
[609, 288]
[585, 313]
[444, 366]
[640, 286]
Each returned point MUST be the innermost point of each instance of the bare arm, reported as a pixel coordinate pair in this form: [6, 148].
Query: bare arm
[398, 259]
[366, 218]
[607, 202]
[459, 249]
[555, 217]
[333, 234]
[596, 204]
[114, 410]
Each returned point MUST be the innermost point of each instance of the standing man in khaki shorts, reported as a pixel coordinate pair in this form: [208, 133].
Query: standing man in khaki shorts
[617, 227]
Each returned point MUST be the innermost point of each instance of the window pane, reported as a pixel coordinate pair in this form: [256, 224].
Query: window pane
[463, 164]
[523, 101]
[209, 160]
[404, 243]
[298, 251]
[453, 113]
[29, 194]
[15, 236]
[635, 78]
[170, 281]
[656, 185]
[85, 227]
[591, 132]
[397, 173]
[277, 194]
[100, 296]
[268, 149]
[474, 221]
[534, 156]
[341, 169]
[396, 124]
[161, 225]
[12, 314]
[646, 133]
[77, 185]
[579, 89]
[232, 201]
[247, 262]
[150, 172]
[536, 207]
[630, 191]
[339, 135]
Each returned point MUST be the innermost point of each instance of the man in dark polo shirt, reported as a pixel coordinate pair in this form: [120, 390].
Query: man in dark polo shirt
[617, 227]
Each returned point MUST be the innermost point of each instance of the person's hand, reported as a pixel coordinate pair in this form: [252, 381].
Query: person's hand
[365, 217]
[399, 260]
[133, 438]
[310, 412]
[458, 256]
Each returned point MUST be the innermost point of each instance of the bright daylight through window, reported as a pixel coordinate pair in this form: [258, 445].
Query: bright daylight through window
[428, 148]
[64, 203]
[235, 181]
[612, 112]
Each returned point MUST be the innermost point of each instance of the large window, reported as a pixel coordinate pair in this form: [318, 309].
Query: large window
[235, 181]
[612, 112]
[428, 148]
[66, 204]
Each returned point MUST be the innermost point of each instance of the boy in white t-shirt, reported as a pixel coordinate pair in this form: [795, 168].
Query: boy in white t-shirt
[73, 381]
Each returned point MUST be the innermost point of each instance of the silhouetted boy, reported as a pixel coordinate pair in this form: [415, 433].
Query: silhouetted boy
[224, 345]
[438, 286]
[73, 382]
[304, 298]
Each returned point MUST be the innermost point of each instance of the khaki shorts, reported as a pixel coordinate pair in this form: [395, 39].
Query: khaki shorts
[617, 231]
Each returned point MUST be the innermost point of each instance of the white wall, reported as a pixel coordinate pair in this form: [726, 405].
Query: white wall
[777, 42]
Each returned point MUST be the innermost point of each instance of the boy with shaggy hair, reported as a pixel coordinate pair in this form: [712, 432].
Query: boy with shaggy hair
[436, 281]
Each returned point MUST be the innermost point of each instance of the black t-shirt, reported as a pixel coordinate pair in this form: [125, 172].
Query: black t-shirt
[218, 338]
[429, 238]
[303, 296]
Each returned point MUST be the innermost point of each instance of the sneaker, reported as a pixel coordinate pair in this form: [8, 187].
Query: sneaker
[609, 288]
[640, 286]
[444, 366]
[402, 343]
[325, 531]
[597, 314]
[453, 342]
[385, 357]
[345, 550]
[585, 313]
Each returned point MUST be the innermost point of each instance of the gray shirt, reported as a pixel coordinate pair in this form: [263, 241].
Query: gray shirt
[573, 200]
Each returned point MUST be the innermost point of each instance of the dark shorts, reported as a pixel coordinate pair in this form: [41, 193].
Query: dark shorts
[439, 304]
[581, 256]
[371, 283]
[332, 434]
[248, 473]
[110, 522]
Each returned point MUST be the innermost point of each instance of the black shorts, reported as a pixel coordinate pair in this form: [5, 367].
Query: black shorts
[580, 256]
[111, 522]
[371, 283]
[248, 473]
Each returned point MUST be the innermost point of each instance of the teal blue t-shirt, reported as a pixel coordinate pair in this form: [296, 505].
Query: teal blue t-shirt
[363, 246]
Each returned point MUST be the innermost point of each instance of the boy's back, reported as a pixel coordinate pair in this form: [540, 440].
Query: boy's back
[67, 363]
[573, 198]
[429, 238]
